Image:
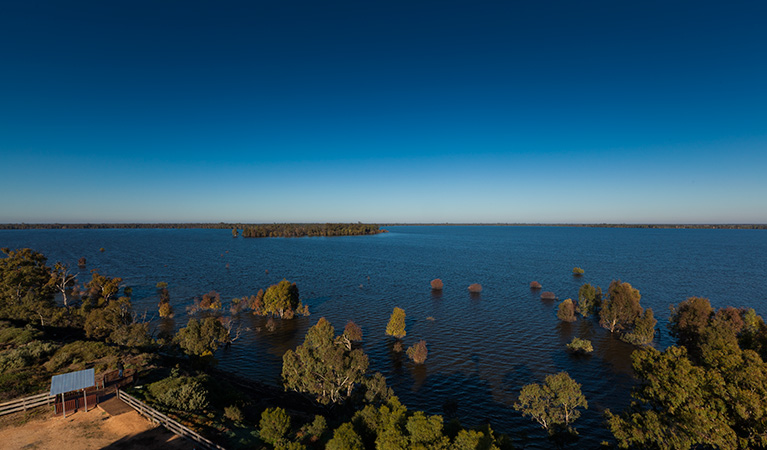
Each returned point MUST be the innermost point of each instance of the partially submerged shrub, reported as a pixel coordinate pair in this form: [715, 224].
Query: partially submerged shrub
[566, 310]
[418, 352]
[475, 288]
[578, 345]
[436, 284]
[577, 271]
[535, 285]
[546, 295]
[396, 325]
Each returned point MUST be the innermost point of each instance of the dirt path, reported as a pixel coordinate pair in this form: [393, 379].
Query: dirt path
[90, 431]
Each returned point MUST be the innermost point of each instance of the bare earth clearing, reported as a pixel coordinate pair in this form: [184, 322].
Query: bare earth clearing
[94, 430]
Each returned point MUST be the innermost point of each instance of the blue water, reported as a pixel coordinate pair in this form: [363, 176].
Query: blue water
[482, 349]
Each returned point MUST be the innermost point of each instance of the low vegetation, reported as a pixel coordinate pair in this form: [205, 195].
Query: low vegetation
[310, 229]
[580, 346]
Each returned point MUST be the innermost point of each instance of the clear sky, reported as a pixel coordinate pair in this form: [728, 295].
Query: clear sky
[383, 111]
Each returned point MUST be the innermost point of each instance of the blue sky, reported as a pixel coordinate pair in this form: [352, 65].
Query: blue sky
[396, 111]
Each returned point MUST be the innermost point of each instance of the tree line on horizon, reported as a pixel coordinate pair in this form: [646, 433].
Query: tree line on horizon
[310, 230]
[241, 225]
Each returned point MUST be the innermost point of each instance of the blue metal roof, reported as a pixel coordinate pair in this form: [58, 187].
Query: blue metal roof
[73, 381]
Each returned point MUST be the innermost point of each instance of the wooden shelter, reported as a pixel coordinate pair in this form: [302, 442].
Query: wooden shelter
[69, 385]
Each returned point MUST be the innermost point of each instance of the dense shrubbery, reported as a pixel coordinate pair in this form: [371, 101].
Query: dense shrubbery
[578, 345]
[180, 392]
[312, 229]
[566, 311]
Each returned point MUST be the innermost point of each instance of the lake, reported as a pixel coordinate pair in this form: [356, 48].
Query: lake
[482, 348]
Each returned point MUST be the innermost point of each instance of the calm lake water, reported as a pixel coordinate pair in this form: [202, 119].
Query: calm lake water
[482, 349]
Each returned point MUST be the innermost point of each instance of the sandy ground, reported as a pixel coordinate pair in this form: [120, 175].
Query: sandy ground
[92, 430]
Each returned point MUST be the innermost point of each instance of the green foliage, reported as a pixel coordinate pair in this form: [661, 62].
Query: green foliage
[577, 271]
[418, 352]
[566, 311]
[274, 425]
[233, 413]
[301, 230]
[578, 345]
[165, 310]
[621, 308]
[689, 319]
[426, 432]
[161, 285]
[78, 354]
[396, 325]
[114, 323]
[589, 299]
[182, 393]
[99, 291]
[390, 426]
[202, 337]
[281, 298]
[18, 336]
[553, 404]
[27, 355]
[643, 331]
[318, 426]
[345, 438]
[25, 291]
[322, 366]
[676, 407]
[467, 440]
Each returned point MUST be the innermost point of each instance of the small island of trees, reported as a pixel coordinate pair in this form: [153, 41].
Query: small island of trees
[310, 229]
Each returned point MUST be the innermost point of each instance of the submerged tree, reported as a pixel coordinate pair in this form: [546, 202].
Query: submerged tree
[553, 404]
[589, 299]
[689, 319]
[566, 311]
[396, 325]
[643, 331]
[281, 299]
[352, 333]
[418, 352]
[621, 308]
[322, 366]
[202, 337]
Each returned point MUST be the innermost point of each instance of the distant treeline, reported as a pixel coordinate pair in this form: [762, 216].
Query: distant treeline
[730, 226]
[334, 226]
[310, 229]
[86, 226]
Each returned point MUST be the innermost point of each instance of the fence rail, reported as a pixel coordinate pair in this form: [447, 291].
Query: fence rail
[157, 417]
[23, 404]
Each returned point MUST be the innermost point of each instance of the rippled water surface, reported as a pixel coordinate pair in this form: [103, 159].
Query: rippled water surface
[482, 349]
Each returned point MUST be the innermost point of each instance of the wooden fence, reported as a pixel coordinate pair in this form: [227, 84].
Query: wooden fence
[23, 404]
[157, 417]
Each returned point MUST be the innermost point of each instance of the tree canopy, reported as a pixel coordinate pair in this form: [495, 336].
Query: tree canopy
[202, 337]
[553, 404]
[323, 366]
[621, 307]
[396, 325]
[281, 298]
